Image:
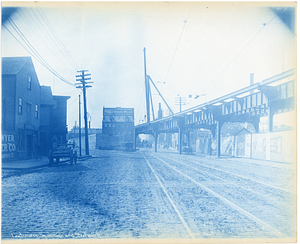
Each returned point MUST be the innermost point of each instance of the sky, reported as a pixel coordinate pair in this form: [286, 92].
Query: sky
[195, 48]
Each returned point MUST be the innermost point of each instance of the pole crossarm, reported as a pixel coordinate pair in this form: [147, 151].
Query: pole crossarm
[83, 85]
[82, 74]
[84, 79]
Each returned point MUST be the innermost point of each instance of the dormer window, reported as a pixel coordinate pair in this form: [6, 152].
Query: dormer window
[29, 82]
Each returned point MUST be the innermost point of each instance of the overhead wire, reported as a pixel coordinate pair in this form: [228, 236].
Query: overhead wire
[46, 41]
[76, 97]
[63, 49]
[32, 50]
[29, 24]
[264, 25]
[49, 34]
[177, 46]
[52, 34]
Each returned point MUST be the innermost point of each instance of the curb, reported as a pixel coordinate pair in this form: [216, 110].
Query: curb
[85, 157]
[45, 165]
[28, 168]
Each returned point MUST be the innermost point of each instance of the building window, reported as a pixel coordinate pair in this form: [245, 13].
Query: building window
[20, 108]
[29, 82]
[21, 140]
[28, 107]
[36, 113]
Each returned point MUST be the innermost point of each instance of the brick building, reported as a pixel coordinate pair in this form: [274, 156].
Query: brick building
[28, 112]
[117, 121]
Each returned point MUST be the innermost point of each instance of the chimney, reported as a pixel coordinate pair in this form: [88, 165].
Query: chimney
[251, 81]
[159, 111]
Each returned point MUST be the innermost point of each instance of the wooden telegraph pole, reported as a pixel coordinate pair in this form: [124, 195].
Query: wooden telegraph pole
[79, 127]
[83, 85]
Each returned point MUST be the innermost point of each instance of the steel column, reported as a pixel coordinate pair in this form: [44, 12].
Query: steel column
[134, 141]
[270, 118]
[188, 135]
[219, 125]
[155, 140]
[180, 140]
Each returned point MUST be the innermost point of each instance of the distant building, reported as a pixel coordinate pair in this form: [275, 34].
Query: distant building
[117, 121]
[74, 132]
[28, 111]
[117, 129]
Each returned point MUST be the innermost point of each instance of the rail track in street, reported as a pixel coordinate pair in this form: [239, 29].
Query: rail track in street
[229, 188]
[142, 194]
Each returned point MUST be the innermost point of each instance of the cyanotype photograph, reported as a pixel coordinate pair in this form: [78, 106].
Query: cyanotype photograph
[148, 122]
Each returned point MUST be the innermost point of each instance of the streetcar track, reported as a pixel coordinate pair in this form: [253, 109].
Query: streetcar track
[232, 205]
[244, 177]
[245, 188]
[168, 196]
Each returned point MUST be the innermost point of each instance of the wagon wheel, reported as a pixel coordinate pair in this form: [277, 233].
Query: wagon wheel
[50, 158]
[75, 157]
[71, 157]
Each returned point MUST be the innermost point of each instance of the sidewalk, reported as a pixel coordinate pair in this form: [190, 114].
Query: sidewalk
[33, 163]
[26, 164]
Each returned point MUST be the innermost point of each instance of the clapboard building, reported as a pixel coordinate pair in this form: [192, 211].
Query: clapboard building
[27, 110]
[53, 119]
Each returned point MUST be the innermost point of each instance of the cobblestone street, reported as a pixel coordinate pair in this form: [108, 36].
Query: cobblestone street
[145, 195]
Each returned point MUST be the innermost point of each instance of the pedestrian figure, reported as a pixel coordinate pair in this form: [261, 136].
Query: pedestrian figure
[54, 143]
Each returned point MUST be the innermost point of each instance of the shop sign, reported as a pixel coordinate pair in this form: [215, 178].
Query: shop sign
[9, 146]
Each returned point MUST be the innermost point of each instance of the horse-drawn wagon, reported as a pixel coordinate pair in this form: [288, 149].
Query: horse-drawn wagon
[66, 152]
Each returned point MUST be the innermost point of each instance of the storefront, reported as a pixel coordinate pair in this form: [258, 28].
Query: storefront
[9, 146]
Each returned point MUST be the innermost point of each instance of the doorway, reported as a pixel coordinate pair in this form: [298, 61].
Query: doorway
[29, 145]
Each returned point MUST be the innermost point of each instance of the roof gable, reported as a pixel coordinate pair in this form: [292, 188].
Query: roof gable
[13, 65]
[46, 96]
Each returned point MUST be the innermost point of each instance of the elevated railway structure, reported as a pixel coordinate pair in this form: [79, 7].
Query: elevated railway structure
[269, 97]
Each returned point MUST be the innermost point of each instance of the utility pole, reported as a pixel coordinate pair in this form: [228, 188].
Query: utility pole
[180, 101]
[147, 89]
[83, 85]
[79, 127]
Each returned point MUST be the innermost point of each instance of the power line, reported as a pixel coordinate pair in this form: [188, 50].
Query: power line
[51, 36]
[264, 25]
[32, 50]
[64, 50]
[177, 46]
[69, 105]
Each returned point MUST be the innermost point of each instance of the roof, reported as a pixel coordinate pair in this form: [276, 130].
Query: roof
[243, 131]
[13, 65]
[58, 97]
[46, 95]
